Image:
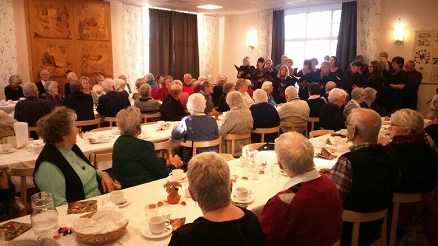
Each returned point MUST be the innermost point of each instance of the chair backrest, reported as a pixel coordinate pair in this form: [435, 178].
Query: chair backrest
[317, 133]
[312, 121]
[23, 173]
[253, 146]
[111, 120]
[96, 158]
[165, 146]
[89, 122]
[400, 198]
[356, 218]
[6, 133]
[263, 131]
[227, 157]
[102, 129]
[155, 116]
[203, 144]
[294, 125]
[234, 137]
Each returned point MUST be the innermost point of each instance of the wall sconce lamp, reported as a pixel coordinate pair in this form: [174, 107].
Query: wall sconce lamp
[399, 32]
[252, 39]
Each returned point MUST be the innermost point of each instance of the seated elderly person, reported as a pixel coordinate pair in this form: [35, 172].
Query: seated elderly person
[269, 88]
[98, 88]
[315, 102]
[150, 80]
[52, 93]
[81, 103]
[328, 87]
[135, 160]
[112, 102]
[163, 91]
[294, 110]
[62, 168]
[86, 89]
[14, 91]
[357, 97]
[330, 116]
[370, 102]
[222, 104]
[242, 86]
[146, 103]
[222, 222]
[184, 95]
[265, 116]
[120, 85]
[237, 121]
[171, 108]
[206, 90]
[221, 79]
[138, 83]
[432, 127]
[196, 127]
[284, 215]
[418, 165]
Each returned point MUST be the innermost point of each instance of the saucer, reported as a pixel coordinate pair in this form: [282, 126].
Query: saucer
[147, 234]
[248, 200]
[9, 151]
[143, 137]
[183, 179]
[123, 204]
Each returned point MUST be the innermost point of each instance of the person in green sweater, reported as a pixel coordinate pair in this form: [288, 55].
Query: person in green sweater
[135, 160]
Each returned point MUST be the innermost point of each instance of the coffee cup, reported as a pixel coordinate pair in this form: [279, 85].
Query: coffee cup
[10, 140]
[242, 193]
[158, 224]
[93, 140]
[102, 138]
[177, 174]
[5, 147]
[117, 197]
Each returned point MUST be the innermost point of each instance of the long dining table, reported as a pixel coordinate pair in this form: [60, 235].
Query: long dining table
[262, 188]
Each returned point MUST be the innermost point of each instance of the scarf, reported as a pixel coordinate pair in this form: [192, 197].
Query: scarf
[408, 139]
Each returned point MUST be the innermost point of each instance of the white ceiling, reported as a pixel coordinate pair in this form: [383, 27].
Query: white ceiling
[230, 7]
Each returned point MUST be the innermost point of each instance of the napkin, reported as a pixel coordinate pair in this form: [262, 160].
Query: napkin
[109, 218]
[21, 133]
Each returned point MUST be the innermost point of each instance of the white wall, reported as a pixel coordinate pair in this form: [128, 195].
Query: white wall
[117, 37]
[417, 15]
[23, 68]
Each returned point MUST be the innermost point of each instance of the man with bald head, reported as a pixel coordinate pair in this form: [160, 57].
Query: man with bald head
[71, 76]
[294, 110]
[364, 172]
[44, 77]
[410, 92]
[187, 84]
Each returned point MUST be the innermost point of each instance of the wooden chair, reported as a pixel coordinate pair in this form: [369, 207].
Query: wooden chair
[80, 123]
[227, 157]
[312, 121]
[6, 133]
[164, 147]
[234, 137]
[263, 131]
[357, 218]
[111, 120]
[401, 198]
[96, 158]
[253, 146]
[23, 173]
[155, 117]
[203, 144]
[293, 125]
[102, 129]
[317, 133]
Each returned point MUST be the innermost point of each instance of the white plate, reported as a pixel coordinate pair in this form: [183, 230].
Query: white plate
[7, 152]
[115, 131]
[184, 179]
[248, 200]
[148, 234]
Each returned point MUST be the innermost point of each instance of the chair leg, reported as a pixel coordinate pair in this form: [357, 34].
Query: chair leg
[394, 224]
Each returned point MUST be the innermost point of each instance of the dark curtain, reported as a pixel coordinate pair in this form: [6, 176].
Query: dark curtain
[277, 37]
[185, 45]
[173, 43]
[347, 37]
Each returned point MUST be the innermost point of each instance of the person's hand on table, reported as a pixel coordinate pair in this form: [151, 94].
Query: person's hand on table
[176, 161]
[324, 171]
[107, 183]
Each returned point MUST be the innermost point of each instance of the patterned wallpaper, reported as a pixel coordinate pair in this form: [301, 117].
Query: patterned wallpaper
[368, 26]
[8, 49]
[264, 31]
[207, 35]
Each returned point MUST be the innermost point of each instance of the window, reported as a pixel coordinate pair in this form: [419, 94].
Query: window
[311, 32]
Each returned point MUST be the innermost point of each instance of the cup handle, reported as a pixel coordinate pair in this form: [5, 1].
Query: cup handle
[5, 140]
[167, 224]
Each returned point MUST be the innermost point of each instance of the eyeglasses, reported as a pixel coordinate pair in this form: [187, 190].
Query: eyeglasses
[347, 124]
[431, 109]
[392, 124]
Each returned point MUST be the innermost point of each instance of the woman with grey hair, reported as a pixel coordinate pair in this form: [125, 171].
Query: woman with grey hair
[146, 103]
[357, 97]
[150, 80]
[242, 86]
[269, 88]
[370, 102]
[14, 91]
[196, 127]
[52, 93]
[135, 160]
[184, 95]
[97, 88]
[171, 108]
[222, 223]
[265, 116]
[237, 121]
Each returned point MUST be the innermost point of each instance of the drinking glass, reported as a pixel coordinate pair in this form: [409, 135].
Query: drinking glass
[150, 210]
[44, 217]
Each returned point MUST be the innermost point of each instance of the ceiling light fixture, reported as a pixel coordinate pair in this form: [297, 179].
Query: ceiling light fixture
[209, 6]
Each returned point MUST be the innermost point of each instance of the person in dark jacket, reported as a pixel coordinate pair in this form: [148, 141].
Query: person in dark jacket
[330, 115]
[410, 92]
[171, 108]
[112, 102]
[81, 103]
[265, 116]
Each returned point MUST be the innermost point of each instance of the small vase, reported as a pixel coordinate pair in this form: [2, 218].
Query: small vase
[173, 198]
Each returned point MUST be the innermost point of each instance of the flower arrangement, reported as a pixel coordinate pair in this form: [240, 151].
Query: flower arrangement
[172, 187]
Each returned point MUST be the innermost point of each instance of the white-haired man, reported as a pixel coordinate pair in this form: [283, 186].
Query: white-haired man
[44, 77]
[357, 97]
[71, 76]
[308, 211]
[367, 176]
[112, 102]
[187, 84]
[294, 110]
[330, 115]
